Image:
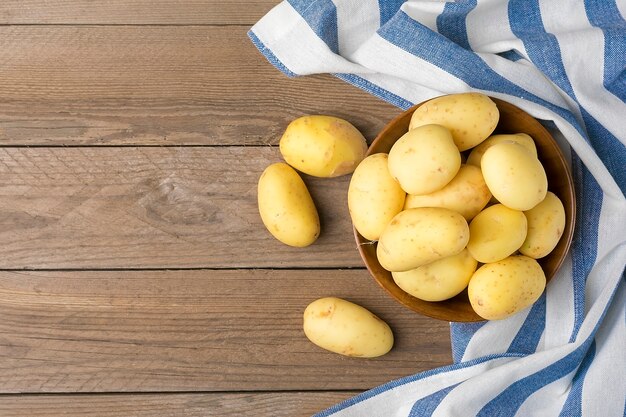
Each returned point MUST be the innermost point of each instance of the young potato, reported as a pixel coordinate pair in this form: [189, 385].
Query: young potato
[439, 280]
[496, 232]
[466, 194]
[374, 197]
[424, 159]
[286, 207]
[514, 176]
[322, 146]
[522, 138]
[546, 223]
[419, 236]
[471, 117]
[500, 289]
[346, 328]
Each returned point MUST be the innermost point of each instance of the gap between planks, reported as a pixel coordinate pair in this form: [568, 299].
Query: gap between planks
[165, 25]
[235, 268]
[195, 330]
[72, 85]
[243, 12]
[270, 404]
[161, 208]
[183, 392]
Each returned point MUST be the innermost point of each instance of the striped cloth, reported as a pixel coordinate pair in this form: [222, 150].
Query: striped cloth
[564, 63]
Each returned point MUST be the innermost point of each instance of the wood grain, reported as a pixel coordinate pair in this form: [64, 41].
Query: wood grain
[201, 330]
[94, 85]
[271, 404]
[153, 207]
[132, 136]
[134, 12]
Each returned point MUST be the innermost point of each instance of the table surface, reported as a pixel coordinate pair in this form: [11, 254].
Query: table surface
[136, 278]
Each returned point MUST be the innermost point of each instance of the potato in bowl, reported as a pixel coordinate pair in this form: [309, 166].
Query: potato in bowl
[558, 183]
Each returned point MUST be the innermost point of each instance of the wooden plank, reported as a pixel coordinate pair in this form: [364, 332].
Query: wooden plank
[153, 207]
[77, 85]
[201, 330]
[270, 404]
[134, 12]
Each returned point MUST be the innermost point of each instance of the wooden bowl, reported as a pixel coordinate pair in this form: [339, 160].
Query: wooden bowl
[512, 120]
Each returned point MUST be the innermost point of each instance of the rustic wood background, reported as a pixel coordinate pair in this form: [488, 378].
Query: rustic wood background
[136, 278]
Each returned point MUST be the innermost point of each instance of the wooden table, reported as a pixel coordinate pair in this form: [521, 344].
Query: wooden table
[136, 277]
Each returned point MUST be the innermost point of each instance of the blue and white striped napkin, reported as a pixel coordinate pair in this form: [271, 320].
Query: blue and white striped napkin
[564, 62]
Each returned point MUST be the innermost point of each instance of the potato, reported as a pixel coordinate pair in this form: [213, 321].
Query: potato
[496, 232]
[286, 207]
[374, 197]
[419, 236]
[514, 176]
[322, 146]
[466, 194]
[500, 289]
[522, 138]
[546, 223]
[471, 117]
[438, 280]
[346, 328]
[424, 159]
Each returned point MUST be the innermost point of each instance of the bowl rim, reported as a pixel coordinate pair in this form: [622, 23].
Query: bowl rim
[374, 268]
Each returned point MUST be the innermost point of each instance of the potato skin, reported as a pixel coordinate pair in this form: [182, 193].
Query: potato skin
[546, 223]
[322, 146]
[374, 197]
[523, 139]
[419, 236]
[500, 289]
[496, 232]
[286, 207]
[346, 328]
[439, 280]
[471, 117]
[466, 194]
[514, 176]
[424, 159]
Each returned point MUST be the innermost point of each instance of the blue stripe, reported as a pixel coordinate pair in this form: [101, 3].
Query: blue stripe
[605, 15]
[542, 47]
[451, 21]
[387, 9]
[544, 51]
[608, 147]
[376, 90]
[527, 338]
[427, 405]
[511, 399]
[321, 15]
[508, 402]
[614, 65]
[466, 65]
[460, 336]
[269, 55]
[573, 403]
[407, 380]
[584, 247]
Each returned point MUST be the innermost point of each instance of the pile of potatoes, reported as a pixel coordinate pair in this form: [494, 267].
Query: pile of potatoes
[451, 207]
[450, 196]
